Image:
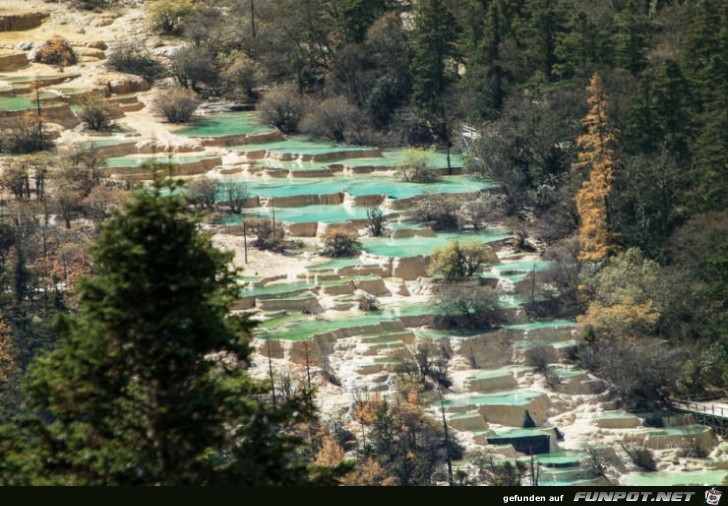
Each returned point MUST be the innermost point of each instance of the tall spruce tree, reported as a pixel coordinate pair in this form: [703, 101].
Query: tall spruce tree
[661, 116]
[711, 160]
[354, 17]
[433, 48]
[541, 29]
[583, 46]
[483, 86]
[699, 43]
[147, 384]
[630, 38]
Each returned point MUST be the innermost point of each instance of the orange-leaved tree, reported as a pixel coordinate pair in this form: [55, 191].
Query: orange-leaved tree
[7, 362]
[597, 156]
[57, 51]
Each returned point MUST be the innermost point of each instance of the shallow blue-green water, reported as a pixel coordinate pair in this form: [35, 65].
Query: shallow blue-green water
[358, 185]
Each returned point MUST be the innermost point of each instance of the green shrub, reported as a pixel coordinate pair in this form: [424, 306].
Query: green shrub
[415, 166]
[456, 262]
[331, 119]
[642, 374]
[196, 67]
[202, 193]
[23, 135]
[692, 449]
[269, 235]
[167, 17]
[375, 221]
[368, 303]
[641, 457]
[541, 357]
[340, 244]
[177, 105]
[283, 108]
[236, 196]
[425, 364]
[96, 113]
[240, 78]
[440, 212]
[89, 4]
[134, 58]
[475, 309]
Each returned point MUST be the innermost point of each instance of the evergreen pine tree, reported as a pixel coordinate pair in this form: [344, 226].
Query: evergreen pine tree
[630, 39]
[483, 86]
[542, 27]
[581, 46]
[147, 384]
[698, 44]
[711, 163]
[660, 118]
[433, 46]
[641, 134]
[354, 17]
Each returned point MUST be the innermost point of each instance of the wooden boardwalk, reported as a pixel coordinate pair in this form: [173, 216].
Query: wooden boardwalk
[713, 414]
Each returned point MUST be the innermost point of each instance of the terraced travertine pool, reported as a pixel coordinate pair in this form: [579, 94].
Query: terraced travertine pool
[303, 330]
[100, 143]
[684, 430]
[495, 373]
[25, 102]
[393, 158]
[390, 160]
[684, 478]
[566, 372]
[319, 213]
[507, 300]
[338, 263]
[613, 415]
[27, 79]
[298, 145]
[546, 324]
[279, 320]
[403, 247]
[342, 281]
[356, 185]
[413, 309]
[514, 397]
[561, 459]
[222, 124]
[74, 91]
[138, 161]
[522, 432]
[570, 476]
[295, 165]
[442, 334]
[522, 266]
[275, 289]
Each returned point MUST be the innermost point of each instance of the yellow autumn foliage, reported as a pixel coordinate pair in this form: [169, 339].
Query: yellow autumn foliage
[330, 454]
[365, 412]
[6, 359]
[369, 473]
[624, 320]
[596, 155]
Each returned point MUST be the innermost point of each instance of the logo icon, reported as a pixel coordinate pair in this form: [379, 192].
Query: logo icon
[712, 496]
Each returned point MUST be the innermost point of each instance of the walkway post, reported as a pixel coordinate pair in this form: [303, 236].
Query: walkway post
[245, 241]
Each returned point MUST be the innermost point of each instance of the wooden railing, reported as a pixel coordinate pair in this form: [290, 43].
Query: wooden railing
[702, 407]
